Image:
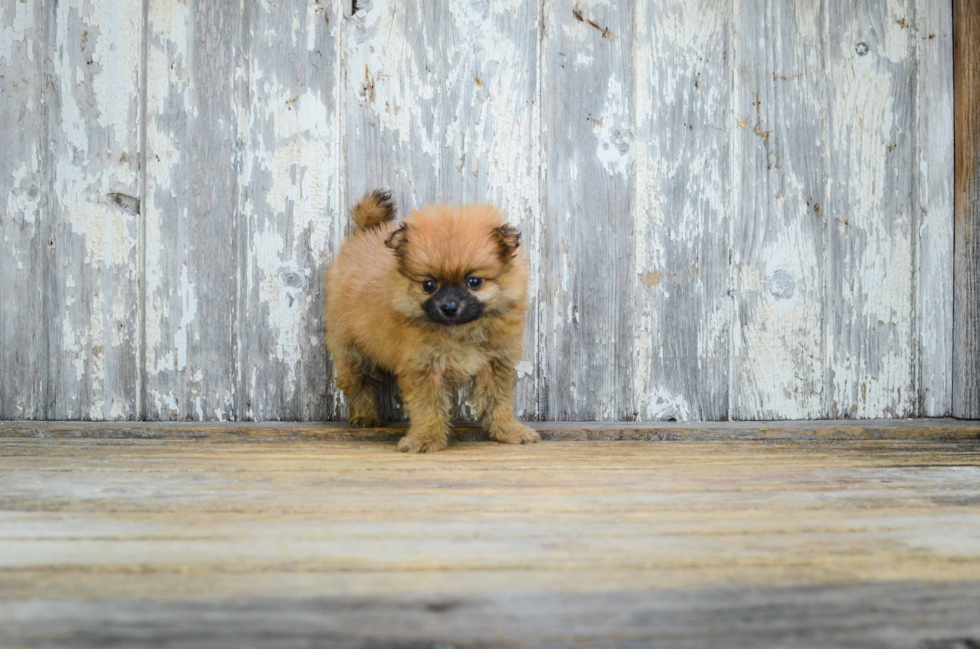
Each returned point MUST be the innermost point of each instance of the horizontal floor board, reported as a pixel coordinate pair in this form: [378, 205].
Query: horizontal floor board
[176, 539]
[841, 429]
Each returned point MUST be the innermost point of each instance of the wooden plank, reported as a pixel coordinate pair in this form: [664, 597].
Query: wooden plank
[441, 108]
[682, 212]
[196, 81]
[179, 543]
[809, 430]
[966, 326]
[23, 182]
[587, 293]
[909, 615]
[871, 345]
[934, 187]
[92, 225]
[292, 218]
[779, 245]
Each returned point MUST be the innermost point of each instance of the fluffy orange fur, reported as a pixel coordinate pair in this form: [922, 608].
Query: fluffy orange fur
[376, 316]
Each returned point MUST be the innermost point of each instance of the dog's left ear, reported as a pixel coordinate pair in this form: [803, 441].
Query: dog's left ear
[508, 238]
[397, 239]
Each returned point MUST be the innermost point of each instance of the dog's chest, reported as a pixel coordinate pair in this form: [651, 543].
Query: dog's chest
[462, 364]
[458, 362]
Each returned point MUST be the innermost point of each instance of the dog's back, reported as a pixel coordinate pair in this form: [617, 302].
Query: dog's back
[355, 277]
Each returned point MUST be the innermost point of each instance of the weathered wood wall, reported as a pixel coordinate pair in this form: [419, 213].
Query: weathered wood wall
[734, 209]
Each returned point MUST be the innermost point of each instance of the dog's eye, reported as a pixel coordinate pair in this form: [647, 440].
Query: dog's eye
[474, 283]
[429, 286]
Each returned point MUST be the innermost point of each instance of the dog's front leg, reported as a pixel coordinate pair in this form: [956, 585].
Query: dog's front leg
[427, 402]
[494, 395]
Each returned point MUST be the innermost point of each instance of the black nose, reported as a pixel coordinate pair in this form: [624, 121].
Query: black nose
[450, 308]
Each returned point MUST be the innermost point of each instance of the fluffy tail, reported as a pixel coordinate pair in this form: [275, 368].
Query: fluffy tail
[376, 208]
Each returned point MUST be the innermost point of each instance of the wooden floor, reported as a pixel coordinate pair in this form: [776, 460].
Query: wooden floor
[291, 536]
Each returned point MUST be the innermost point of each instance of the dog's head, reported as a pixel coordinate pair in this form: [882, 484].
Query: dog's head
[460, 263]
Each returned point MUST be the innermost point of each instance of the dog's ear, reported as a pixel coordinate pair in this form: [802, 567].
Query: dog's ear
[508, 238]
[397, 239]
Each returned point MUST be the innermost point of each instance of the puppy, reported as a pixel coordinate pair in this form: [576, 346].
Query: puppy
[437, 301]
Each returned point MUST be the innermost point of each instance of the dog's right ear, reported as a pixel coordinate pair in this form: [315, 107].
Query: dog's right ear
[508, 238]
[397, 239]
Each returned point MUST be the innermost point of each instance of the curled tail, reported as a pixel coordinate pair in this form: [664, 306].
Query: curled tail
[376, 208]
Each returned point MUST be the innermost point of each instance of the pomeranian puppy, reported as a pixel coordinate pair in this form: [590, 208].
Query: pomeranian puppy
[437, 301]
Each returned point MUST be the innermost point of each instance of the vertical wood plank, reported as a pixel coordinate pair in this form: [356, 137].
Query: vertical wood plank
[683, 185]
[291, 207]
[441, 108]
[23, 186]
[870, 231]
[92, 224]
[780, 214]
[966, 81]
[196, 77]
[934, 183]
[587, 255]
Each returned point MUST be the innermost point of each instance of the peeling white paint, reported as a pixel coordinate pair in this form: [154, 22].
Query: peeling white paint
[875, 376]
[934, 300]
[92, 131]
[681, 212]
[524, 369]
[188, 312]
[165, 403]
[109, 232]
[15, 30]
[169, 86]
[614, 138]
[24, 197]
[115, 28]
[290, 175]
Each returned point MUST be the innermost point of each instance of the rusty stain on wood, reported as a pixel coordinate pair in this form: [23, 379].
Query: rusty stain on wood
[577, 13]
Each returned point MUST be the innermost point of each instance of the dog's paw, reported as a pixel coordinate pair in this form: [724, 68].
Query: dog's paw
[413, 444]
[515, 433]
[363, 421]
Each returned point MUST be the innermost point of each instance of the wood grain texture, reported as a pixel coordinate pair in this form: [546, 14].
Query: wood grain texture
[966, 341]
[911, 615]
[928, 430]
[92, 224]
[23, 192]
[442, 108]
[588, 279]
[191, 543]
[871, 346]
[291, 207]
[934, 194]
[779, 241]
[196, 83]
[681, 333]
